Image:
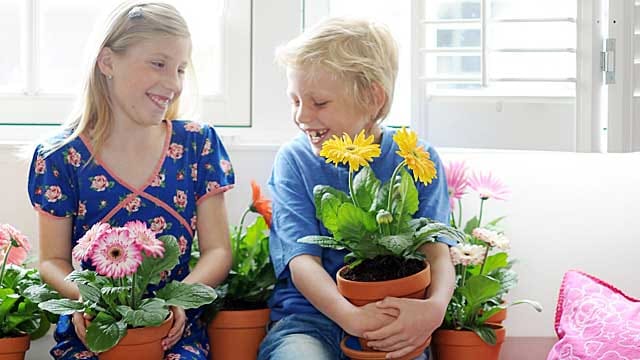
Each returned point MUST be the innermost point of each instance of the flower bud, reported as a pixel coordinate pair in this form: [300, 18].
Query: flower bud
[384, 217]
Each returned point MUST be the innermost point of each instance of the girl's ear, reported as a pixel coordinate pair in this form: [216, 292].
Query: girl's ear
[378, 98]
[105, 61]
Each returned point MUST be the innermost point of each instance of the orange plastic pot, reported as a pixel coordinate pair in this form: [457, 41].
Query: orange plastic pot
[13, 348]
[140, 343]
[361, 293]
[463, 344]
[237, 334]
[351, 350]
[498, 317]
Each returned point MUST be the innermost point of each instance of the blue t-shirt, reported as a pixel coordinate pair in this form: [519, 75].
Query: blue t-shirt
[296, 171]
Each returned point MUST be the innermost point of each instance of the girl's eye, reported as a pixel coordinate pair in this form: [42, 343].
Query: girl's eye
[181, 71]
[295, 103]
[158, 64]
[321, 103]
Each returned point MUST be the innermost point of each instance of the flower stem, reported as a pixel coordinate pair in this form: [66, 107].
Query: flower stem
[391, 181]
[453, 220]
[351, 192]
[133, 291]
[464, 275]
[481, 207]
[460, 212]
[486, 253]
[4, 263]
[236, 246]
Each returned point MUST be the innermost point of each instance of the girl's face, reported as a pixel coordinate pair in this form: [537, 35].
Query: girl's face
[146, 78]
[321, 107]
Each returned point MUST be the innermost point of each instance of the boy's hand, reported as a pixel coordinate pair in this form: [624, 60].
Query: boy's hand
[416, 321]
[370, 317]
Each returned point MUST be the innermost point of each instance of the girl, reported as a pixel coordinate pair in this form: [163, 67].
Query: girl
[126, 158]
[341, 76]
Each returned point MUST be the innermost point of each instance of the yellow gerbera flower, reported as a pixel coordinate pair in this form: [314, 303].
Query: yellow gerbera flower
[356, 153]
[416, 157]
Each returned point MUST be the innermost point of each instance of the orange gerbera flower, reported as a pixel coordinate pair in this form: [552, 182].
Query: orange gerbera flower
[260, 204]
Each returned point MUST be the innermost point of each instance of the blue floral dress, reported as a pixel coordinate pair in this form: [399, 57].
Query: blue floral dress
[195, 166]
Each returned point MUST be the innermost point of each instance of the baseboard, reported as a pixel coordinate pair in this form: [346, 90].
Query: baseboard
[526, 348]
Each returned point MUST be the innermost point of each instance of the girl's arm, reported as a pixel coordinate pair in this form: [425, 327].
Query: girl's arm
[418, 319]
[213, 238]
[55, 254]
[313, 281]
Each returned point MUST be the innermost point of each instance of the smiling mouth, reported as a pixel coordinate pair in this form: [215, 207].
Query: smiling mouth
[316, 136]
[161, 101]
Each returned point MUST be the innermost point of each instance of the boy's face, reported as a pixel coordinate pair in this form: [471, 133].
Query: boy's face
[321, 108]
[147, 78]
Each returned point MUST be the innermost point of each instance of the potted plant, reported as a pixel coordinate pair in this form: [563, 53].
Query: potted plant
[240, 314]
[484, 275]
[130, 315]
[21, 289]
[375, 223]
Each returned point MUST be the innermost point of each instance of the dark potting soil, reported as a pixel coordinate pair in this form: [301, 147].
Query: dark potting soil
[382, 268]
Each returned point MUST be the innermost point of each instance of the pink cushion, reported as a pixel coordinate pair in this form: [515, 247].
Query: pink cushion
[595, 321]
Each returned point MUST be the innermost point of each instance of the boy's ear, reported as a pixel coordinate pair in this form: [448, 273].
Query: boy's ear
[105, 61]
[378, 98]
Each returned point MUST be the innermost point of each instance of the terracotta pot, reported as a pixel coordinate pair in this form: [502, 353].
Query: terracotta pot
[361, 293]
[13, 348]
[463, 344]
[350, 347]
[140, 343]
[498, 317]
[237, 334]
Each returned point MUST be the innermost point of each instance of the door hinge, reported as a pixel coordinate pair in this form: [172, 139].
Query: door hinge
[608, 61]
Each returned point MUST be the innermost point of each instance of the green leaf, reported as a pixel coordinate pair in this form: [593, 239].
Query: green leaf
[478, 289]
[151, 312]
[7, 303]
[187, 296]
[324, 241]
[405, 200]
[61, 306]
[354, 223]
[471, 224]
[329, 207]
[487, 334]
[39, 293]
[318, 193]
[151, 268]
[105, 332]
[365, 187]
[89, 292]
[493, 262]
[397, 244]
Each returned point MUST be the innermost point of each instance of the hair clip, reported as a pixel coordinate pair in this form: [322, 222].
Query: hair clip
[135, 12]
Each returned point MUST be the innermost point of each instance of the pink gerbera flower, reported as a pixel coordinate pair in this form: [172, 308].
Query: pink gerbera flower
[456, 173]
[488, 187]
[82, 250]
[116, 254]
[19, 250]
[145, 238]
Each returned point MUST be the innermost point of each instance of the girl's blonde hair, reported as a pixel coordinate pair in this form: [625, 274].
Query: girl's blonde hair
[128, 24]
[359, 52]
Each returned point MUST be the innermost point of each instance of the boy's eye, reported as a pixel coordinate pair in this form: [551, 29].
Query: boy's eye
[158, 64]
[320, 103]
[295, 103]
[181, 71]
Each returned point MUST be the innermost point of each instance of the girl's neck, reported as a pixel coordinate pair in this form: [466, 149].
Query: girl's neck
[132, 136]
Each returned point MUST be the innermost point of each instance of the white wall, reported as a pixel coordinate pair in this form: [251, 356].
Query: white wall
[567, 210]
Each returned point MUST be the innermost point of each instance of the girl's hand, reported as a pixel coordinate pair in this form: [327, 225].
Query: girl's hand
[371, 317]
[79, 320]
[175, 333]
[416, 321]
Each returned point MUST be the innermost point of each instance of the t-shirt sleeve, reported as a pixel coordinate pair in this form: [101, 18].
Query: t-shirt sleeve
[434, 198]
[215, 171]
[293, 214]
[52, 184]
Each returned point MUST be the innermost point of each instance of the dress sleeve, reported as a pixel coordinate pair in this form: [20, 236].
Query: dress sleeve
[215, 171]
[434, 198]
[293, 214]
[52, 189]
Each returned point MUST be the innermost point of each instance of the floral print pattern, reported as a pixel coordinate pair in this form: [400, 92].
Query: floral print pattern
[62, 184]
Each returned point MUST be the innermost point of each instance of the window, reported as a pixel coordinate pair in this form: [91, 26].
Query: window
[39, 75]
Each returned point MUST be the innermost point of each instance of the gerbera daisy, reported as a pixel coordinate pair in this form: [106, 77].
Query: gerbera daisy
[82, 250]
[146, 238]
[356, 153]
[259, 203]
[456, 174]
[488, 187]
[416, 157]
[116, 254]
[466, 254]
[19, 249]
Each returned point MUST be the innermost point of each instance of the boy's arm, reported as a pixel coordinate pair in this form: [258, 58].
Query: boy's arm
[418, 319]
[313, 281]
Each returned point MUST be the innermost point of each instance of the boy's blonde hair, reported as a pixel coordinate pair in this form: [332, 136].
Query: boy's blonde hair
[359, 52]
[128, 24]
